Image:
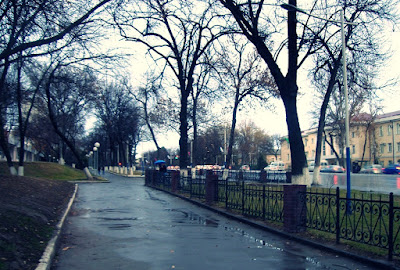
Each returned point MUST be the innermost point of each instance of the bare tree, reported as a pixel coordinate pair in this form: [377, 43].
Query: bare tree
[151, 98]
[259, 27]
[243, 81]
[176, 35]
[69, 93]
[364, 58]
[35, 29]
[252, 142]
[119, 117]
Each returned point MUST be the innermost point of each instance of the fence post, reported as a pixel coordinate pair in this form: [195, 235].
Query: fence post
[288, 177]
[391, 217]
[226, 193]
[175, 175]
[242, 197]
[337, 215]
[190, 186]
[263, 176]
[154, 178]
[211, 187]
[263, 203]
[294, 208]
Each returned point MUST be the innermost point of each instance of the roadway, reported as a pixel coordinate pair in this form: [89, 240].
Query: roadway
[382, 183]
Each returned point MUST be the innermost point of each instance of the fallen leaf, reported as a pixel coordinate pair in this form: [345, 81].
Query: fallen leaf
[66, 248]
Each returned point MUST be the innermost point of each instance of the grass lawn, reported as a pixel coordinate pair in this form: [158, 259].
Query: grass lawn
[47, 170]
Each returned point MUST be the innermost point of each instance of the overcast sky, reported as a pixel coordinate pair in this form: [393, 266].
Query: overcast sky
[274, 122]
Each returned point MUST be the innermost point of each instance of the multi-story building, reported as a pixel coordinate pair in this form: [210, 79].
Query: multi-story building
[387, 138]
[30, 153]
[372, 140]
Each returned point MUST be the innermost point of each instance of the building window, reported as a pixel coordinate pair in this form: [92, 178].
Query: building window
[288, 158]
[323, 149]
[397, 128]
[312, 140]
[390, 130]
[381, 131]
[398, 147]
[353, 134]
[382, 148]
[305, 142]
[353, 149]
[390, 148]
[331, 151]
[306, 154]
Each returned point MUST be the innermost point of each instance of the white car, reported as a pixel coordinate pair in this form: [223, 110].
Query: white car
[275, 166]
[323, 164]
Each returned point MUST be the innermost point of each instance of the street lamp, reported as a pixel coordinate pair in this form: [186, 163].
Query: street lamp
[96, 155]
[290, 7]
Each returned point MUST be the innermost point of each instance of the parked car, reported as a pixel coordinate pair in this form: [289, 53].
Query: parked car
[275, 166]
[392, 169]
[374, 168]
[333, 169]
[323, 164]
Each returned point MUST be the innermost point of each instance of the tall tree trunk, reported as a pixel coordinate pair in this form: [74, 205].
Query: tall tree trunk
[193, 149]
[183, 140]
[232, 136]
[298, 157]
[321, 122]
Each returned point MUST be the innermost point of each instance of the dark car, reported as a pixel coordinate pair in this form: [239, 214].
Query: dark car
[333, 169]
[392, 169]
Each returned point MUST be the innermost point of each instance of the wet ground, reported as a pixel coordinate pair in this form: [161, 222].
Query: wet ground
[125, 225]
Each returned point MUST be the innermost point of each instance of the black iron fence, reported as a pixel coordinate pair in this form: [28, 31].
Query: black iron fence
[369, 219]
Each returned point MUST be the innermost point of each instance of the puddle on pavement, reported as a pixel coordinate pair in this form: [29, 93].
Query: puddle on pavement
[118, 226]
[192, 218]
[118, 219]
[293, 250]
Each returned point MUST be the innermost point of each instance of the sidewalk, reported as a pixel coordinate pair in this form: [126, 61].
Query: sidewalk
[125, 225]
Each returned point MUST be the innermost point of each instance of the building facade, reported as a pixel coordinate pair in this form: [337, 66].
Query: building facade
[30, 153]
[372, 141]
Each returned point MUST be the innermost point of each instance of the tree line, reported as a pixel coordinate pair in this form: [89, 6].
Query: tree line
[236, 53]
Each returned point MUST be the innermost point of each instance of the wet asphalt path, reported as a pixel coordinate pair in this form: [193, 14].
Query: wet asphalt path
[125, 225]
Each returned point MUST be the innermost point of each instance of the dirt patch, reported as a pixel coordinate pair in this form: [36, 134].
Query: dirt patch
[29, 211]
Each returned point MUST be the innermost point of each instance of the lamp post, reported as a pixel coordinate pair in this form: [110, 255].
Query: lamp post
[91, 159]
[95, 158]
[290, 7]
[96, 155]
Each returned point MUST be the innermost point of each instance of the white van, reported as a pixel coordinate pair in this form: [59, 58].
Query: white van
[275, 166]
[324, 163]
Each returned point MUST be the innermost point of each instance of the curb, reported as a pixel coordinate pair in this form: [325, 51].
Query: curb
[49, 253]
[379, 263]
[126, 175]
